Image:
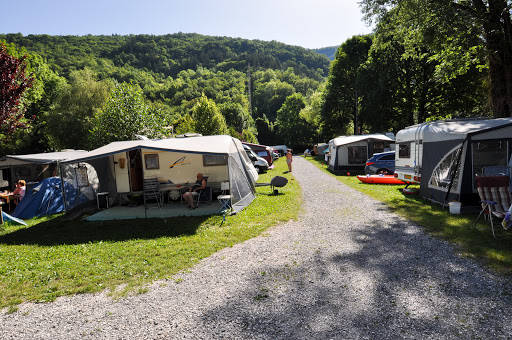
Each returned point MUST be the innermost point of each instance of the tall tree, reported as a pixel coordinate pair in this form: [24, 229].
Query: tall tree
[124, 116]
[13, 84]
[207, 118]
[457, 29]
[69, 122]
[292, 127]
[35, 103]
[405, 81]
[266, 131]
[341, 97]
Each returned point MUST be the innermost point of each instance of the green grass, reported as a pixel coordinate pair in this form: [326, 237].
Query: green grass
[473, 242]
[52, 257]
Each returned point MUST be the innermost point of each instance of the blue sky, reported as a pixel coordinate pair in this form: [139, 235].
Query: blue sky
[311, 24]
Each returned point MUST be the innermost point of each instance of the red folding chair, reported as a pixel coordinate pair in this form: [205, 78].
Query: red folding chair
[495, 197]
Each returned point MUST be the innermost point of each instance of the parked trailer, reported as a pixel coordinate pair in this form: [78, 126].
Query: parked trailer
[350, 153]
[445, 156]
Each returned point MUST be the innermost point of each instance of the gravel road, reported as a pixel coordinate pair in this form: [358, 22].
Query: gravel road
[347, 269]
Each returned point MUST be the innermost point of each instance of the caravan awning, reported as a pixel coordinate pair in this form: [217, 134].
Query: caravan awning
[356, 138]
[40, 158]
[205, 145]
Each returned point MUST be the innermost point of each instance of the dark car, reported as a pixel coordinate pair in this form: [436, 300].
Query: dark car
[381, 163]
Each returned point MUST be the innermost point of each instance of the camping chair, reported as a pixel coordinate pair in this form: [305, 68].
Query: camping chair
[495, 197]
[151, 192]
[495, 170]
[224, 198]
[205, 195]
[276, 182]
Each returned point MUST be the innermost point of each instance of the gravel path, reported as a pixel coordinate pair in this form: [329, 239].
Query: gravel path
[348, 269]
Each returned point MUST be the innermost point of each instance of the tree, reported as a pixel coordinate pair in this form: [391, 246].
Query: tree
[124, 116]
[13, 84]
[35, 103]
[207, 118]
[69, 122]
[402, 82]
[266, 131]
[292, 127]
[312, 112]
[236, 116]
[341, 92]
[457, 30]
[269, 96]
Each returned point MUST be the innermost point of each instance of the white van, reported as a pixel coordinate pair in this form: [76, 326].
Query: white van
[258, 162]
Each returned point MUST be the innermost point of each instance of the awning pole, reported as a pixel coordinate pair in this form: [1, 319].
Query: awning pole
[62, 188]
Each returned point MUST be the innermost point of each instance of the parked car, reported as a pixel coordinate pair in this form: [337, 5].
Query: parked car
[381, 163]
[259, 163]
[262, 151]
[275, 154]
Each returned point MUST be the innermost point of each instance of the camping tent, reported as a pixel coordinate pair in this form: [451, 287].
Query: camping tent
[46, 199]
[445, 156]
[32, 167]
[280, 148]
[122, 166]
[350, 153]
[320, 149]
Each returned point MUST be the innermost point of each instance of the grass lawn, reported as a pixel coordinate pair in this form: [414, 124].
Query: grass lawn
[473, 242]
[51, 257]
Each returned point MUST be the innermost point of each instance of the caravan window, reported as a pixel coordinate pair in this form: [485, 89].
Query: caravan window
[378, 147]
[488, 153]
[213, 160]
[442, 174]
[404, 150]
[357, 154]
[151, 161]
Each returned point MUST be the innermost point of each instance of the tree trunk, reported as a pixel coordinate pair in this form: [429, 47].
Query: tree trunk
[499, 50]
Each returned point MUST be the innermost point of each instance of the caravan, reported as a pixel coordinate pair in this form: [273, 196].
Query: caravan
[123, 166]
[445, 156]
[350, 153]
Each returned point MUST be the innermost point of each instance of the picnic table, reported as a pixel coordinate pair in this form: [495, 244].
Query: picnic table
[8, 197]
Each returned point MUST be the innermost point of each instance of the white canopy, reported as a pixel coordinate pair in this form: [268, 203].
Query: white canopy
[207, 144]
[343, 140]
[444, 130]
[40, 158]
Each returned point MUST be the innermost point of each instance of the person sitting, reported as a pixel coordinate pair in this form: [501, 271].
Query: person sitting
[20, 190]
[194, 190]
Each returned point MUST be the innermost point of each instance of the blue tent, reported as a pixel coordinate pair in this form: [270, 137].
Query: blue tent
[46, 199]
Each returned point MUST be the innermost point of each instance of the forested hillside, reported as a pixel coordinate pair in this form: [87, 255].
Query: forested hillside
[329, 52]
[424, 61]
[167, 55]
[168, 76]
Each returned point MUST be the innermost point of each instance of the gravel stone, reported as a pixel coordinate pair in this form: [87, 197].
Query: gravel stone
[347, 269]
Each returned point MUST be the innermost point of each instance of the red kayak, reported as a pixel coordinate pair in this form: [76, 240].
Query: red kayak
[379, 179]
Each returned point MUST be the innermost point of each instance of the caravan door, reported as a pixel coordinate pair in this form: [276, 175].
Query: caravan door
[135, 170]
[128, 170]
[121, 165]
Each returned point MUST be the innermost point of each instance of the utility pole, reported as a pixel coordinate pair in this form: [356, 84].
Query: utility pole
[249, 85]
[355, 116]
